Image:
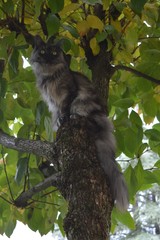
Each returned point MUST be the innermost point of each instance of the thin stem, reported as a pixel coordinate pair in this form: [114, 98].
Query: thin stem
[26, 181]
[51, 203]
[136, 72]
[49, 193]
[6, 174]
[26, 177]
[6, 200]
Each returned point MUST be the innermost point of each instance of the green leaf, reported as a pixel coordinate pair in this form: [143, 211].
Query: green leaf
[21, 169]
[124, 218]
[109, 29]
[3, 87]
[8, 6]
[92, 2]
[83, 27]
[34, 218]
[150, 106]
[143, 85]
[149, 177]
[119, 141]
[94, 46]
[11, 224]
[73, 31]
[95, 22]
[56, 5]
[38, 4]
[139, 172]
[132, 183]
[11, 157]
[119, 5]
[153, 134]
[24, 131]
[130, 142]
[137, 5]
[156, 126]
[69, 8]
[156, 174]
[101, 36]
[157, 164]
[124, 103]
[1, 116]
[66, 44]
[131, 38]
[53, 24]
[141, 149]
[13, 61]
[12, 107]
[60, 224]
[152, 53]
[40, 111]
[135, 119]
[48, 128]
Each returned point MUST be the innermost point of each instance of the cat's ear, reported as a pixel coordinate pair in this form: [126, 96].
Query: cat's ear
[51, 40]
[37, 41]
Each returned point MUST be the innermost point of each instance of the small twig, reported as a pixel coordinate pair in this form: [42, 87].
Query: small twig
[39, 201]
[13, 24]
[6, 200]
[26, 177]
[136, 72]
[5, 171]
[150, 37]
[44, 195]
[26, 181]
[151, 169]
[4, 11]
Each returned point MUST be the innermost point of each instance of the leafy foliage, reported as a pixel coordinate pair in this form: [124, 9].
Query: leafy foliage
[131, 31]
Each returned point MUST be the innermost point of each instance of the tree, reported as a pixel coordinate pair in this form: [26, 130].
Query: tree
[114, 43]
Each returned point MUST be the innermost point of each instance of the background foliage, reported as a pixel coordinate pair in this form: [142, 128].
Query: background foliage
[132, 31]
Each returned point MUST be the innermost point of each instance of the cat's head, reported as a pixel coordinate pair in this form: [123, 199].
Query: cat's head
[47, 54]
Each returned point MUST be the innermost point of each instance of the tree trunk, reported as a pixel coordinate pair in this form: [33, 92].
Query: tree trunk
[84, 184]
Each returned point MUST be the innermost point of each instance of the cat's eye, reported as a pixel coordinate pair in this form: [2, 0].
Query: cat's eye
[42, 51]
[54, 52]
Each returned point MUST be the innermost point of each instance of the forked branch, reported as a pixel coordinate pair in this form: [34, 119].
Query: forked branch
[24, 197]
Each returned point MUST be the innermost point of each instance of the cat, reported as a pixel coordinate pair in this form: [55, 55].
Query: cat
[68, 93]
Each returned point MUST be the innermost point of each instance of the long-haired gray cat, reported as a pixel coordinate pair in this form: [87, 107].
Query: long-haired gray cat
[69, 93]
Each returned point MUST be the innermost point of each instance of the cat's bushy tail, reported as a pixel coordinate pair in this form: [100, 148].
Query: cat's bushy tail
[105, 144]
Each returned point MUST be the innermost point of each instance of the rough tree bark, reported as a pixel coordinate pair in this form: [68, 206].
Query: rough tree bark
[84, 184]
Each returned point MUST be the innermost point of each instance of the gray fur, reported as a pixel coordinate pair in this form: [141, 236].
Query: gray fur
[71, 93]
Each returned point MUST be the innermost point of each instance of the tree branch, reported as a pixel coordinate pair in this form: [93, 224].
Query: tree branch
[23, 12]
[40, 148]
[13, 24]
[136, 72]
[22, 200]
